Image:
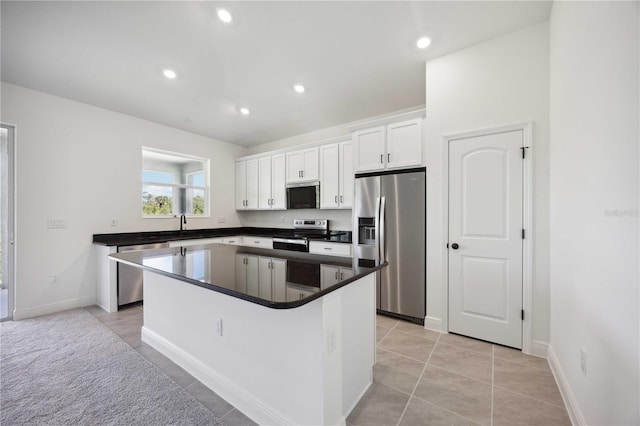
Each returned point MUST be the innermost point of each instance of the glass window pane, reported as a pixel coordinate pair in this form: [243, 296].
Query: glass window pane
[157, 177]
[157, 200]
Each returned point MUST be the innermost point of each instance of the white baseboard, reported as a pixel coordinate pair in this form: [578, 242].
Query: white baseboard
[570, 401]
[433, 323]
[539, 349]
[52, 308]
[237, 397]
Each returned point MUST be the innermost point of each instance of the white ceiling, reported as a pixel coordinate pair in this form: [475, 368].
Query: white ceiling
[357, 59]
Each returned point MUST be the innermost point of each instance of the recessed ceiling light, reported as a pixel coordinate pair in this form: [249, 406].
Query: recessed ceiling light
[170, 74]
[298, 88]
[225, 16]
[423, 42]
[245, 111]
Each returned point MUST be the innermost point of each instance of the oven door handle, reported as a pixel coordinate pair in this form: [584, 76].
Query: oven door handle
[289, 241]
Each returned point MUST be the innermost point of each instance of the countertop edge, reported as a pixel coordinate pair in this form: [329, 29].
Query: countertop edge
[252, 299]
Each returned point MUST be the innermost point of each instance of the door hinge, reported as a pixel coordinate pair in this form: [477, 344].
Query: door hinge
[522, 314]
[523, 233]
[524, 149]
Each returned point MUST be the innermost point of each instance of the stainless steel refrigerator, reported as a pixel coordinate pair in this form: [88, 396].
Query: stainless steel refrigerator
[389, 219]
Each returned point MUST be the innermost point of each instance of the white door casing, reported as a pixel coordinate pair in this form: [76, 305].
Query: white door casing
[486, 223]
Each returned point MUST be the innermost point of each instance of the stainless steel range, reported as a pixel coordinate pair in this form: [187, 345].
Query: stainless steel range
[303, 230]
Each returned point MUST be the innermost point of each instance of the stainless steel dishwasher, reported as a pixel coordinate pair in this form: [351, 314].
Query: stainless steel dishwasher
[130, 277]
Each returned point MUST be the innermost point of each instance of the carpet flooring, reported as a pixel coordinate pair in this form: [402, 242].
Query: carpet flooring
[68, 368]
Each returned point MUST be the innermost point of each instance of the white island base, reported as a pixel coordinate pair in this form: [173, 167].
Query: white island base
[308, 365]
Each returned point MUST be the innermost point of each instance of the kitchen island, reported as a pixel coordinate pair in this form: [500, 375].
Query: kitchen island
[287, 338]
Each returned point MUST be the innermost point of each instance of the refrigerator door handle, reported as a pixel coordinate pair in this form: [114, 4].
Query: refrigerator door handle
[377, 228]
[383, 251]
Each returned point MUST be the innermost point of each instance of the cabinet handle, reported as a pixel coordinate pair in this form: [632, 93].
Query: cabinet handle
[336, 275]
[257, 242]
[336, 199]
[341, 276]
[381, 161]
[302, 171]
[327, 248]
[341, 199]
[388, 158]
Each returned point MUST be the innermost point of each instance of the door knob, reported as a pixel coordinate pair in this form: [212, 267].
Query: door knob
[455, 246]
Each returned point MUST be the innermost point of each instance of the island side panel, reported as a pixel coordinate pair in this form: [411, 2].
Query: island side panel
[267, 362]
[358, 340]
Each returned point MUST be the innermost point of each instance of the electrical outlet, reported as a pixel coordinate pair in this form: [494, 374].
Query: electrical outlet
[54, 279]
[219, 326]
[56, 223]
[583, 361]
[113, 221]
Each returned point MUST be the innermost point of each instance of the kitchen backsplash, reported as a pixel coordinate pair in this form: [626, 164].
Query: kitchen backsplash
[339, 219]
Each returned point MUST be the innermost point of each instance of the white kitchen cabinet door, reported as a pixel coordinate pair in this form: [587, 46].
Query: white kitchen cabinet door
[241, 185]
[278, 182]
[346, 175]
[296, 293]
[279, 279]
[303, 165]
[404, 144]
[329, 176]
[311, 169]
[369, 149]
[246, 184]
[345, 273]
[264, 183]
[329, 275]
[295, 165]
[252, 184]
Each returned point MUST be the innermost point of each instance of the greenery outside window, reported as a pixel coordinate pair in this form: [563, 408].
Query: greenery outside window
[174, 184]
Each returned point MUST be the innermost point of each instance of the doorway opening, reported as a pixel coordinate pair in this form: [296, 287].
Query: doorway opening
[7, 145]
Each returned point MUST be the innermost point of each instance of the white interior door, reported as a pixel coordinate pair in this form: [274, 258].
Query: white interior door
[485, 237]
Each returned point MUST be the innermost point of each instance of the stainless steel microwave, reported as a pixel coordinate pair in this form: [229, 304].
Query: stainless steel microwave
[304, 195]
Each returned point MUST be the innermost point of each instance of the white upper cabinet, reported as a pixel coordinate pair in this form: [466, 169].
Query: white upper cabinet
[369, 147]
[246, 185]
[302, 165]
[271, 182]
[346, 175]
[394, 146]
[404, 144]
[336, 176]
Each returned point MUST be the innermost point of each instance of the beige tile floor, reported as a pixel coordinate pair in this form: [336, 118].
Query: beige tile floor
[421, 378]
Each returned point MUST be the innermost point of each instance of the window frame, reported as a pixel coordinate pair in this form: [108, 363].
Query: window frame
[176, 187]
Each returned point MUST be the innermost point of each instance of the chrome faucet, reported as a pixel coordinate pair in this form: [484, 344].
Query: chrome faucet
[183, 223]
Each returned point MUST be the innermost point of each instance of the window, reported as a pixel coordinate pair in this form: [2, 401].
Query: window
[174, 184]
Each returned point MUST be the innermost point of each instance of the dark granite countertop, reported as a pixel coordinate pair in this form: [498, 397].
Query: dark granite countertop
[215, 267]
[135, 238]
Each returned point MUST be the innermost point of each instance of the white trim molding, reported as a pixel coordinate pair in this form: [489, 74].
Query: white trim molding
[527, 222]
[434, 324]
[20, 314]
[569, 398]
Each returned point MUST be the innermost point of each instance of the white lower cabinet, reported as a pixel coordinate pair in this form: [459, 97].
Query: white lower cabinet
[330, 249]
[331, 274]
[247, 274]
[272, 276]
[297, 293]
[262, 242]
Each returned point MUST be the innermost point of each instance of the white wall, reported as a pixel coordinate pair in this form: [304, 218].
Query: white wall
[594, 110]
[498, 82]
[82, 164]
